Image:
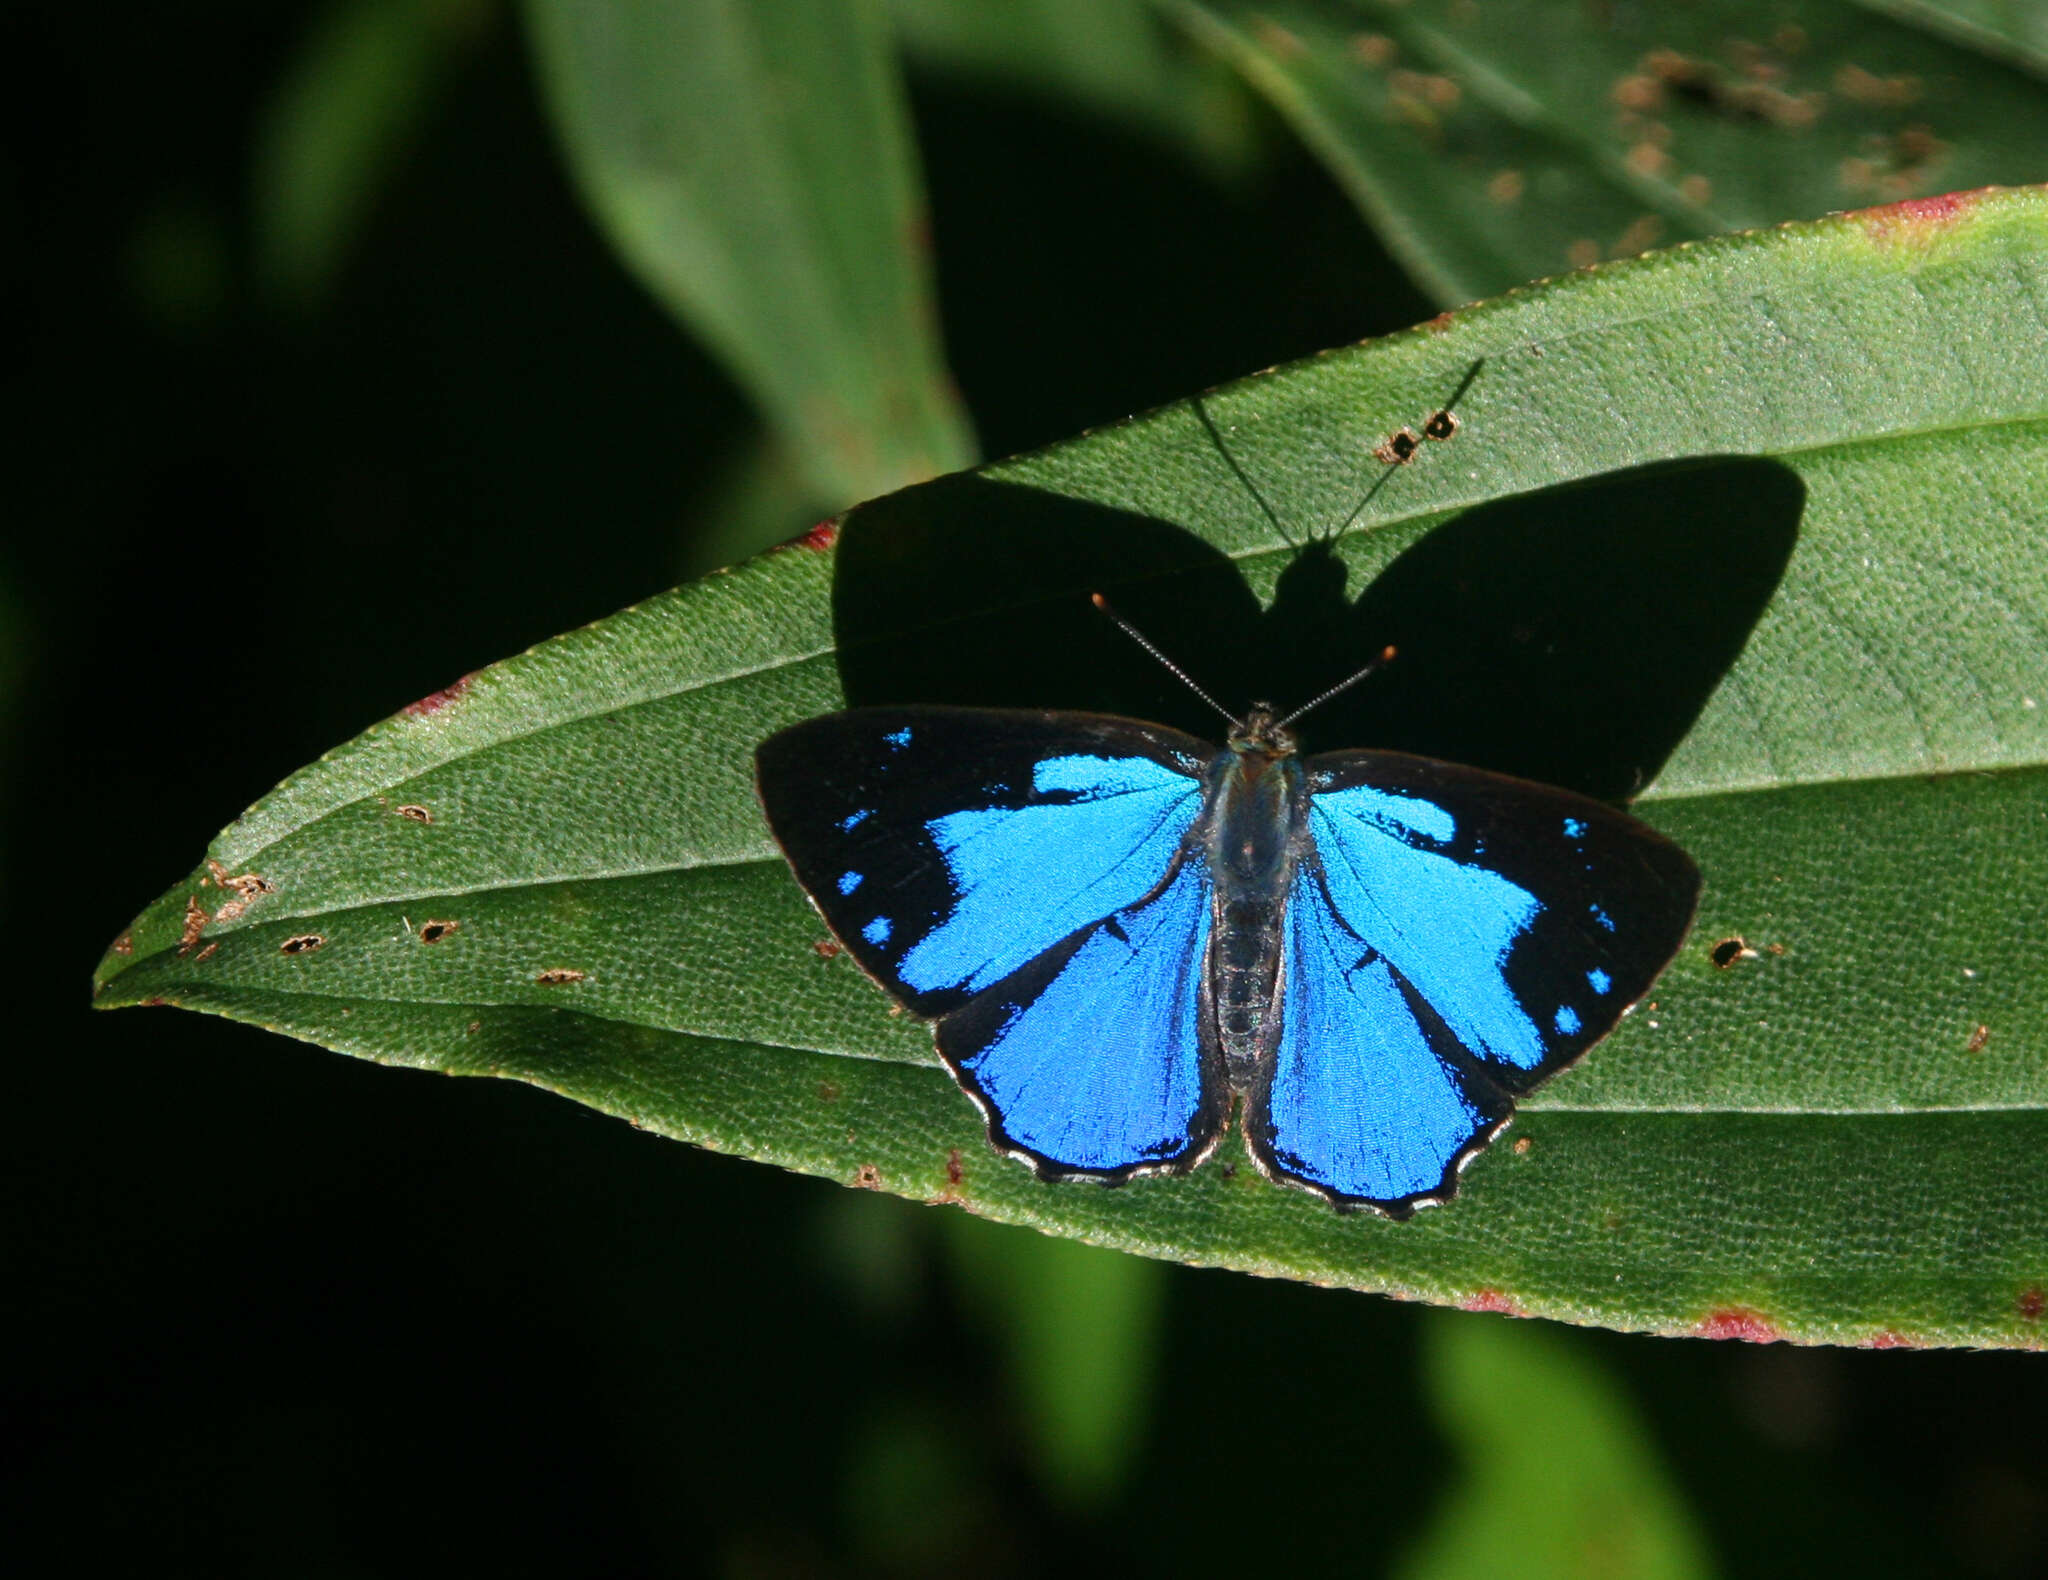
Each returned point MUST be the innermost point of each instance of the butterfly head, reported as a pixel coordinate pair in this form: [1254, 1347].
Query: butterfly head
[1261, 733]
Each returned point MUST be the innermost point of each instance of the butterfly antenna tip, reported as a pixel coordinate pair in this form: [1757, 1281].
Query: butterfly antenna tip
[1171, 667]
[1385, 657]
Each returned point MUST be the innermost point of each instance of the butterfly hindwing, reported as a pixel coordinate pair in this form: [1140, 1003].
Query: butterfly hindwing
[1098, 1058]
[1453, 938]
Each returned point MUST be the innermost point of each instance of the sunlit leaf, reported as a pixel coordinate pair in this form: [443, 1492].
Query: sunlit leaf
[1798, 586]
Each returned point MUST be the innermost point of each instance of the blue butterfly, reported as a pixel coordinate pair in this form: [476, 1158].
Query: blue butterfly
[1124, 933]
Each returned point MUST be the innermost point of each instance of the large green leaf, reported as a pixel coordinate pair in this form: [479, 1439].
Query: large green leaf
[1493, 144]
[754, 166]
[1826, 1138]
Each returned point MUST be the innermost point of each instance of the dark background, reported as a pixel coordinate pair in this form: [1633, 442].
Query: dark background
[274, 1311]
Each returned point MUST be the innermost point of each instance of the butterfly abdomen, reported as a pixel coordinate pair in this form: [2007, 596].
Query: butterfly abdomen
[1257, 807]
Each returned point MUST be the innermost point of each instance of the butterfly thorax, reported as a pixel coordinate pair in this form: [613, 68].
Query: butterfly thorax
[1256, 806]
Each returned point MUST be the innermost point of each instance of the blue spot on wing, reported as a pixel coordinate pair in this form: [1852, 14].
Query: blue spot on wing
[853, 820]
[1445, 925]
[1574, 828]
[848, 882]
[898, 738]
[1360, 1103]
[1600, 980]
[1567, 1021]
[877, 931]
[1099, 1067]
[1026, 877]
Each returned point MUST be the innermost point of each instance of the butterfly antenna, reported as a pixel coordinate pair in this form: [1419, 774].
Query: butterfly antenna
[1386, 657]
[1172, 668]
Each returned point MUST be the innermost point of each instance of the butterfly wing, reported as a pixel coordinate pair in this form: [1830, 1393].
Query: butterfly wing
[1452, 939]
[1024, 879]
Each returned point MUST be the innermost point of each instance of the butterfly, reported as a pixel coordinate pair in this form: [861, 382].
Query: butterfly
[1126, 936]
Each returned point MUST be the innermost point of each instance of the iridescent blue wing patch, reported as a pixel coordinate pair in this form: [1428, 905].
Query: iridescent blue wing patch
[1026, 880]
[1453, 938]
[1098, 1059]
[948, 847]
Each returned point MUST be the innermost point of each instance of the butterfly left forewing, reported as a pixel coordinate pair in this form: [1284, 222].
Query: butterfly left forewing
[947, 847]
[1454, 938]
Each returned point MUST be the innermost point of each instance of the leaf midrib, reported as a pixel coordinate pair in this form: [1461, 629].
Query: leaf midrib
[1539, 1104]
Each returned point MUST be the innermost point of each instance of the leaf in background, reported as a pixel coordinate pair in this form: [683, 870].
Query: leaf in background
[1079, 1328]
[1824, 638]
[350, 102]
[1559, 1478]
[754, 167]
[1494, 144]
[1113, 57]
[2016, 27]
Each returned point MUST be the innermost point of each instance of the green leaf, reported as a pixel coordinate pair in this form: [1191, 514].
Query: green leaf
[1493, 144]
[1079, 1329]
[756, 171]
[345, 110]
[1825, 1138]
[1114, 58]
[1557, 1469]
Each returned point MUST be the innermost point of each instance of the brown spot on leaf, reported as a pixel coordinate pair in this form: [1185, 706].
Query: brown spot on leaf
[1977, 1040]
[2032, 1303]
[817, 539]
[1866, 88]
[1493, 1300]
[435, 701]
[868, 1177]
[195, 922]
[1641, 235]
[828, 948]
[1647, 159]
[124, 945]
[1398, 449]
[1441, 425]
[1639, 91]
[434, 932]
[1522, 1146]
[1727, 952]
[473, 1028]
[954, 1172]
[1374, 49]
[828, 1092]
[301, 944]
[1918, 218]
[1506, 186]
[560, 976]
[1583, 254]
[1890, 1339]
[1738, 1322]
[414, 813]
[206, 954]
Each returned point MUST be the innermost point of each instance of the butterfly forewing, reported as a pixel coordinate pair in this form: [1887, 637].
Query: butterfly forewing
[948, 847]
[1453, 938]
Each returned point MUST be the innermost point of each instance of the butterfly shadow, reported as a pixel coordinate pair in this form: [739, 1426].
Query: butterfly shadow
[1570, 635]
